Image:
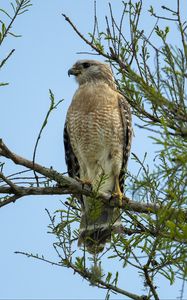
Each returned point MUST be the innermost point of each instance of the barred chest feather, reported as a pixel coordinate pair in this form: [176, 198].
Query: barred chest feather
[95, 128]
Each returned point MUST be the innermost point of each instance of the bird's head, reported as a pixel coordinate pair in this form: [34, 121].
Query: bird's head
[86, 71]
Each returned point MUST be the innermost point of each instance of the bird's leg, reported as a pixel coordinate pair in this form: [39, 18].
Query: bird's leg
[117, 191]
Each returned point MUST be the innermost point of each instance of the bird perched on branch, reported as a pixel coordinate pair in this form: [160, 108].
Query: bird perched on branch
[97, 139]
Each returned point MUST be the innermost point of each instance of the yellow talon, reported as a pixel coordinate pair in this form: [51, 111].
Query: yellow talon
[117, 192]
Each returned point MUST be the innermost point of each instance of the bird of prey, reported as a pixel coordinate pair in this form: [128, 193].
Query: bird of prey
[97, 140]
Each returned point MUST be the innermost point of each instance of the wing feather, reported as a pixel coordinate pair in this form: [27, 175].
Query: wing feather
[70, 158]
[127, 126]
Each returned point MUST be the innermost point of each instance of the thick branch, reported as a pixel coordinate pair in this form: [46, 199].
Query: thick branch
[68, 185]
[48, 172]
[75, 188]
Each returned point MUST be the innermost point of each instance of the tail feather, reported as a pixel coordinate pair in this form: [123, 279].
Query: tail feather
[95, 230]
[94, 241]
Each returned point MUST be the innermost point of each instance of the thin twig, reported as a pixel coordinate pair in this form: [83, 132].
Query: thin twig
[9, 182]
[84, 39]
[87, 275]
[6, 58]
[16, 13]
[51, 108]
[150, 284]
[9, 200]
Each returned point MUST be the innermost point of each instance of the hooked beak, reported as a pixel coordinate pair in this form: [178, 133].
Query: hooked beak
[73, 71]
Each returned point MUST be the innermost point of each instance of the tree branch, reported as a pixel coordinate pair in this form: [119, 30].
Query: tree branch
[6, 58]
[150, 283]
[88, 276]
[90, 43]
[68, 185]
[125, 69]
[17, 10]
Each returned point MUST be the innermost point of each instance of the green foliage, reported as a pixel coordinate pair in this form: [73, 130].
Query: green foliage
[153, 80]
[97, 273]
[3, 83]
[18, 7]
[95, 206]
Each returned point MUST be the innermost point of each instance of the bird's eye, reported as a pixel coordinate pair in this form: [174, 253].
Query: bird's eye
[86, 65]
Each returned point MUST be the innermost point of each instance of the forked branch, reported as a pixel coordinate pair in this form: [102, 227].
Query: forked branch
[64, 185]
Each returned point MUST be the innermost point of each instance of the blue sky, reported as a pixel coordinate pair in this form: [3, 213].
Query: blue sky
[47, 49]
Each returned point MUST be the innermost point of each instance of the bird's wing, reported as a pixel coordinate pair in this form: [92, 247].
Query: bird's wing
[127, 127]
[70, 158]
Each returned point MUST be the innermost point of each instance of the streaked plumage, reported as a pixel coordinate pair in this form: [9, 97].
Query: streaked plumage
[97, 139]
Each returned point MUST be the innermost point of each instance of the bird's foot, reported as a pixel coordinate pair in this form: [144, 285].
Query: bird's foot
[117, 194]
[84, 182]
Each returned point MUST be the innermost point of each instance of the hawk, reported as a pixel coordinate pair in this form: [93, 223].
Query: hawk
[97, 140]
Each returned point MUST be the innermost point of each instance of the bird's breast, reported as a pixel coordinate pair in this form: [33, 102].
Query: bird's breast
[94, 122]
